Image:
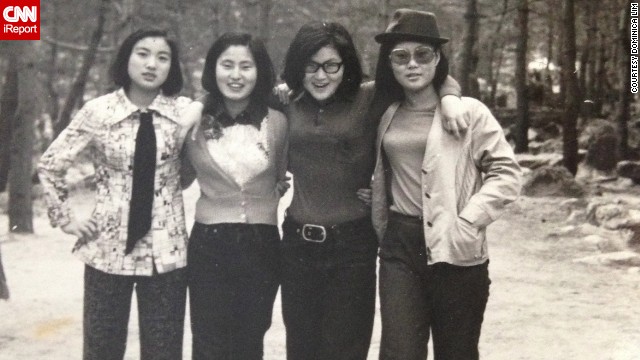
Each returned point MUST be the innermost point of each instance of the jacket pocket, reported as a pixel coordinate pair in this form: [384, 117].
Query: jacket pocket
[467, 240]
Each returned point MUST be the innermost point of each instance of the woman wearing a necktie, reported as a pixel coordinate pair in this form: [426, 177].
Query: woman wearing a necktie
[136, 234]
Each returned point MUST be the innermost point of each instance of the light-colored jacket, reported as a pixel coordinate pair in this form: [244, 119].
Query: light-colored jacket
[467, 181]
[107, 127]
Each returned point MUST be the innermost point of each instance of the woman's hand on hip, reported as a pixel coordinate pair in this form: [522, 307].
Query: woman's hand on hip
[86, 229]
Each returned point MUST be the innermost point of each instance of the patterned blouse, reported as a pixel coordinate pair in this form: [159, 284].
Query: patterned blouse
[107, 126]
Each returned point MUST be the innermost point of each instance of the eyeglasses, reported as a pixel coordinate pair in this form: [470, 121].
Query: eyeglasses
[422, 55]
[330, 67]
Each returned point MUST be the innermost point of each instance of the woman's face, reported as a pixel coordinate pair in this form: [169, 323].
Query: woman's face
[149, 64]
[323, 73]
[414, 65]
[236, 73]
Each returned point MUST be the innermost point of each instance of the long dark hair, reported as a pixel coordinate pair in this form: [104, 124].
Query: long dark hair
[266, 76]
[308, 40]
[119, 68]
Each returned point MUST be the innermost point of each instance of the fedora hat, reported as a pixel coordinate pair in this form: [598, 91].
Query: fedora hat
[407, 24]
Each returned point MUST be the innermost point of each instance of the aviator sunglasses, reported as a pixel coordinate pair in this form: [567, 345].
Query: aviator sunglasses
[422, 55]
[330, 67]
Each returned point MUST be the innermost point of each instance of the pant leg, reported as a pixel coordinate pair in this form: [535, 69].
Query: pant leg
[107, 304]
[256, 282]
[349, 300]
[161, 309]
[460, 299]
[303, 287]
[233, 281]
[404, 296]
[208, 298]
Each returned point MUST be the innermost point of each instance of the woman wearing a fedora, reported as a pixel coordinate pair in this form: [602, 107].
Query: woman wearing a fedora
[329, 247]
[433, 196]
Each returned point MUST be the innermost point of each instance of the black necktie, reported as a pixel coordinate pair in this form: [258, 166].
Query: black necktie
[144, 169]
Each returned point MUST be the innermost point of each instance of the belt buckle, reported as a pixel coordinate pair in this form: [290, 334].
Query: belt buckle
[314, 233]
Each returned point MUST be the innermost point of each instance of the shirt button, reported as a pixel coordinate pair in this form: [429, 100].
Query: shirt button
[427, 195]
[429, 224]
[243, 203]
[243, 216]
[424, 171]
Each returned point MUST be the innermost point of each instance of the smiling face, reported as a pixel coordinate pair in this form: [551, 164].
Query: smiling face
[149, 64]
[236, 74]
[414, 76]
[320, 84]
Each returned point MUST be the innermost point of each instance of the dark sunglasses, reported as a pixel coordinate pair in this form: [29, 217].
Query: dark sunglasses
[330, 67]
[422, 55]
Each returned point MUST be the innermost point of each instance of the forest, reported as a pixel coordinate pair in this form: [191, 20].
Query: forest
[538, 64]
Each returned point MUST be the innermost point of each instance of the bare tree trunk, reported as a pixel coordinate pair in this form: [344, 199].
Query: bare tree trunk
[601, 73]
[77, 89]
[251, 16]
[264, 28]
[4, 288]
[522, 113]
[572, 92]
[468, 58]
[54, 107]
[494, 71]
[178, 10]
[592, 33]
[8, 107]
[551, 24]
[383, 14]
[624, 113]
[496, 76]
[21, 171]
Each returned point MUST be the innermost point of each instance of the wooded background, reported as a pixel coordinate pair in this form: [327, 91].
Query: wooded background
[566, 58]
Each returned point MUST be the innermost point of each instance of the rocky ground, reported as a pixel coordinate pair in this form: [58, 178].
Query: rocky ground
[562, 288]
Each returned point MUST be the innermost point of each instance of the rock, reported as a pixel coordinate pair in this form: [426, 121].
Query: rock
[548, 146]
[569, 230]
[552, 181]
[600, 139]
[536, 161]
[573, 203]
[617, 215]
[620, 258]
[595, 240]
[633, 270]
[577, 217]
[629, 169]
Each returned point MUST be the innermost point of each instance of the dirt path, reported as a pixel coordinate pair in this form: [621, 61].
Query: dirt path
[542, 304]
[545, 306]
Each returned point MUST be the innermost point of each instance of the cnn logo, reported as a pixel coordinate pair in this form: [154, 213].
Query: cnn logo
[16, 13]
[20, 20]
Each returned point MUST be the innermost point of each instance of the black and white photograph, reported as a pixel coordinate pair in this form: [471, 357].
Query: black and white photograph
[319, 180]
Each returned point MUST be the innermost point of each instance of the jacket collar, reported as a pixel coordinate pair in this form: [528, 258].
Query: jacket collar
[123, 107]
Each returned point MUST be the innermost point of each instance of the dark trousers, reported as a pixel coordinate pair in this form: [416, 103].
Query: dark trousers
[107, 304]
[416, 298]
[328, 292]
[233, 281]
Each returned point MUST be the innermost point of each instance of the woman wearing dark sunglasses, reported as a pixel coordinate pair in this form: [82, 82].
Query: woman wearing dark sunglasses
[329, 247]
[433, 196]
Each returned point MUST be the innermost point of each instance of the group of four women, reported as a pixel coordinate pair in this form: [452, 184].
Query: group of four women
[432, 195]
